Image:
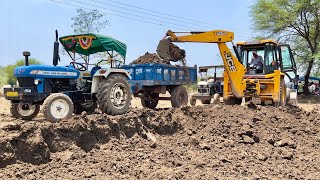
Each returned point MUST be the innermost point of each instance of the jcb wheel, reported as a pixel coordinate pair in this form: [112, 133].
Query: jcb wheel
[282, 94]
[179, 96]
[150, 101]
[24, 111]
[57, 106]
[114, 95]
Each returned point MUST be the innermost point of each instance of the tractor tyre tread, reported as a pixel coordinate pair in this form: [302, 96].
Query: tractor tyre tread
[103, 98]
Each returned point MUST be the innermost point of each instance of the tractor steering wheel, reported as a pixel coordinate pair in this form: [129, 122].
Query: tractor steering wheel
[78, 66]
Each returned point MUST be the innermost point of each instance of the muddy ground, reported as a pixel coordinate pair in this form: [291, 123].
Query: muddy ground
[202, 142]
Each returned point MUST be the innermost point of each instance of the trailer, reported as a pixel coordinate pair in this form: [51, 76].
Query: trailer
[148, 81]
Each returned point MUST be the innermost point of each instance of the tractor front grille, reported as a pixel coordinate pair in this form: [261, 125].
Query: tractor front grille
[26, 81]
[203, 90]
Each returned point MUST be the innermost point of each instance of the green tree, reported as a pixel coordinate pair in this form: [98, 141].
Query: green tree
[9, 69]
[88, 22]
[293, 21]
[3, 79]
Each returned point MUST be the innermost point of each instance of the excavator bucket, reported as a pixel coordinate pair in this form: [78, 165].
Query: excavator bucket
[167, 50]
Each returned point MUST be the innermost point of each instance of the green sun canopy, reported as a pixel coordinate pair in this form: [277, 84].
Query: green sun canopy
[92, 43]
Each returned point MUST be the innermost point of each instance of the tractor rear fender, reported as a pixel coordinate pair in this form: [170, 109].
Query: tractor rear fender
[101, 75]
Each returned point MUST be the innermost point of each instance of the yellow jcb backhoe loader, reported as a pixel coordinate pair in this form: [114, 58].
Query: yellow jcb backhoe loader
[243, 80]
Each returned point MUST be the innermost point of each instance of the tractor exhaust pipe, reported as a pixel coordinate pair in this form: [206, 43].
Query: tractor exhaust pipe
[56, 50]
[26, 55]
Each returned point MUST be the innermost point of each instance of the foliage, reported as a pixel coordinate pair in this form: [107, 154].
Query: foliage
[292, 21]
[3, 79]
[88, 22]
[9, 69]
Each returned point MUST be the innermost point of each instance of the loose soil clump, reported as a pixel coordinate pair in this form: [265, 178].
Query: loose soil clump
[150, 58]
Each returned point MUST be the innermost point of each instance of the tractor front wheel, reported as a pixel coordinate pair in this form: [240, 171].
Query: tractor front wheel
[24, 111]
[57, 106]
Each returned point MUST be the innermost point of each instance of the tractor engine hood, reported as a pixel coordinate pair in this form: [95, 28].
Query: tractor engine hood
[46, 71]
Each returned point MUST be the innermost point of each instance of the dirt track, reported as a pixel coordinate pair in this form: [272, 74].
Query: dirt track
[206, 142]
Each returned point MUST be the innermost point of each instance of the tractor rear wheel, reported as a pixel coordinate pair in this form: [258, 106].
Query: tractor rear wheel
[150, 100]
[57, 106]
[114, 95]
[24, 111]
[179, 96]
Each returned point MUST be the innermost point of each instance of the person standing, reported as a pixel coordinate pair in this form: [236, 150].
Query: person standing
[312, 88]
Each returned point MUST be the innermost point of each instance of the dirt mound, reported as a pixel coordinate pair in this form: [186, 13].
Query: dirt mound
[150, 58]
[207, 142]
[32, 142]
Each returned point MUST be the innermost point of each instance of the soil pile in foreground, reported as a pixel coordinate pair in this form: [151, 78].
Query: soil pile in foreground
[149, 58]
[207, 142]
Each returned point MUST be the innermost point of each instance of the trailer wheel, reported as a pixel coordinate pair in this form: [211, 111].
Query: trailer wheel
[282, 94]
[179, 96]
[57, 106]
[114, 95]
[150, 101]
[89, 107]
[205, 101]
[24, 111]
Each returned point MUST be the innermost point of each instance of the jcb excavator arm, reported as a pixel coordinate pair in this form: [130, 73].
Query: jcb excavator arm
[234, 68]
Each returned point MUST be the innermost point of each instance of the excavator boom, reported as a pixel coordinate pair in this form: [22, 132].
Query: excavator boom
[234, 68]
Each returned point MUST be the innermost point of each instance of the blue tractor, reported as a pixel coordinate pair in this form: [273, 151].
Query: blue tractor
[63, 90]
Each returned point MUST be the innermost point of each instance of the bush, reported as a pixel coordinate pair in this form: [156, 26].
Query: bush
[3, 78]
[9, 70]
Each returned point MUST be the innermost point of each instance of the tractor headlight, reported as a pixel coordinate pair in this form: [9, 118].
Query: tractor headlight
[37, 81]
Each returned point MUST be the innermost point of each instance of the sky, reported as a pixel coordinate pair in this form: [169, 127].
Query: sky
[29, 25]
